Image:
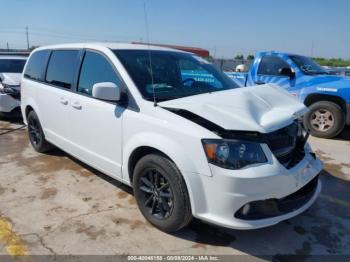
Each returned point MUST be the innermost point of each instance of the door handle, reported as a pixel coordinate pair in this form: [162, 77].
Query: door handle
[77, 105]
[63, 101]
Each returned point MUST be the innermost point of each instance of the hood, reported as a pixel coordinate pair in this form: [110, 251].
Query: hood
[12, 79]
[263, 108]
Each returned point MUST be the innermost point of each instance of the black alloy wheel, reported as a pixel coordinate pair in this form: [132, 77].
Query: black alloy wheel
[157, 194]
[161, 193]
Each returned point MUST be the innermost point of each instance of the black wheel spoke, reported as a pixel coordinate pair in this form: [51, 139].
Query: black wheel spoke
[148, 200]
[161, 209]
[154, 205]
[166, 194]
[156, 178]
[151, 178]
[146, 189]
[156, 193]
[147, 182]
[165, 205]
[164, 186]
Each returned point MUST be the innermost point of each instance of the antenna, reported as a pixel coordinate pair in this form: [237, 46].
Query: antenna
[149, 52]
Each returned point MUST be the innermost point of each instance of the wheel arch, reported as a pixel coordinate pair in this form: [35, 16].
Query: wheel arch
[139, 147]
[139, 153]
[28, 105]
[28, 109]
[313, 98]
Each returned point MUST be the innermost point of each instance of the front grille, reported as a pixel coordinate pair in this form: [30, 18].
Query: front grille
[268, 208]
[287, 144]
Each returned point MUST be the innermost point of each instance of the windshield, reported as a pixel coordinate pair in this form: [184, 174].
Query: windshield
[307, 65]
[169, 75]
[12, 65]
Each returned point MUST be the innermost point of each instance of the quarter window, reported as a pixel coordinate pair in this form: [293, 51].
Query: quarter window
[95, 69]
[271, 65]
[36, 65]
[62, 68]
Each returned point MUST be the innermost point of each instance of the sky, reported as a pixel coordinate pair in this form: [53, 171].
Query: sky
[225, 27]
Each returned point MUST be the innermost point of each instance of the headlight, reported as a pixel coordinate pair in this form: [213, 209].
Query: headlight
[9, 90]
[233, 154]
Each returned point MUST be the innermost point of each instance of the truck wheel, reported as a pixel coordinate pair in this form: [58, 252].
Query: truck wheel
[36, 134]
[161, 193]
[325, 119]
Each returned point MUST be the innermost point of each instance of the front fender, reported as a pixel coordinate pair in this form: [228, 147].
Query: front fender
[178, 155]
[162, 143]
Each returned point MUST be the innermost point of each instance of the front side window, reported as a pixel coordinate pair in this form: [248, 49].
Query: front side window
[12, 65]
[95, 69]
[62, 68]
[271, 65]
[166, 75]
[307, 65]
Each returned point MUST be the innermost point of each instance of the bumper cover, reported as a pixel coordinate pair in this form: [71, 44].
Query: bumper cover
[227, 191]
[8, 103]
[262, 209]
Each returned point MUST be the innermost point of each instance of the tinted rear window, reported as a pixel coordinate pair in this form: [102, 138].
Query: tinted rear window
[11, 65]
[62, 68]
[36, 65]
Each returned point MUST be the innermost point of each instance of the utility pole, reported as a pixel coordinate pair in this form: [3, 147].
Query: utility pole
[27, 35]
[312, 48]
[8, 46]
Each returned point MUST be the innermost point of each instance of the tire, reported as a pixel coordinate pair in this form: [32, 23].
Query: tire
[325, 119]
[176, 212]
[36, 134]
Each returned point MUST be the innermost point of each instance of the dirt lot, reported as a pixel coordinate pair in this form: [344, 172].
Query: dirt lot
[54, 204]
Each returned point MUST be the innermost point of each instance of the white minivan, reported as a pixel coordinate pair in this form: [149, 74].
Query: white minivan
[187, 139]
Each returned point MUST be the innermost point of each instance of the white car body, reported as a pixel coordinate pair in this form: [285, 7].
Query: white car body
[105, 135]
[7, 102]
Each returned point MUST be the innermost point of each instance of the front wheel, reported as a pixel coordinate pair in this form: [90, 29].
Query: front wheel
[161, 193]
[325, 119]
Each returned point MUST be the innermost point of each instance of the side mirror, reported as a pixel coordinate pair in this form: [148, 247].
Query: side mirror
[106, 91]
[287, 72]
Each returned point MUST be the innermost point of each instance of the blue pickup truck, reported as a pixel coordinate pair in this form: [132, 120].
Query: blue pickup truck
[327, 96]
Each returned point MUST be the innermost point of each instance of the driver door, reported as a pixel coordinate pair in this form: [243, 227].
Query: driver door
[96, 129]
[269, 72]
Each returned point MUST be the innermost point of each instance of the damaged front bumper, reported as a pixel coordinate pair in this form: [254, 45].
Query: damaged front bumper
[229, 191]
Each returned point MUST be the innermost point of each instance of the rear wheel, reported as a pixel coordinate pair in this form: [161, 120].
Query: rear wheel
[325, 119]
[36, 134]
[161, 193]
